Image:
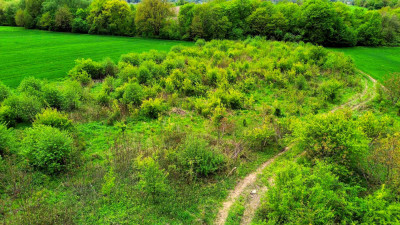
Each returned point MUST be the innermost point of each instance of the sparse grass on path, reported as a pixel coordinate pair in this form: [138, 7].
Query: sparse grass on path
[50, 55]
[378, 62]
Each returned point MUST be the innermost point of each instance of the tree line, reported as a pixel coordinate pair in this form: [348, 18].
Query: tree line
[318, 21]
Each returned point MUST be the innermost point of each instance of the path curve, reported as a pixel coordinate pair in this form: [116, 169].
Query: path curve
[246, 183]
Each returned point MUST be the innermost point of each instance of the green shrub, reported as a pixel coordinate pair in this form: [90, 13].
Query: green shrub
[330, 90]
[7, 116]
[152, 179]
[47, 148]
[4, 92]
[53, 118]
[144, 75]
[94, 69]
[132, 58]
[198, 159]
[303, 195]
[152, 108]
[260, 138]
[31, 86]
[6, 139]
[23, 107]
[53, 97]
[133, 94]
[72, 94]
[81, 76]
[109, 67]
[200, 43]
[334, 137]
[128, 72]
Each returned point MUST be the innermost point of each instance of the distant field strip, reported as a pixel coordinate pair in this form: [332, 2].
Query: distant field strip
[50, 55]
[378, 62]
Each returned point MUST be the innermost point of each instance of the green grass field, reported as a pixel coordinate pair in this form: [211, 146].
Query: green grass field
[377, 62]
[50, 55]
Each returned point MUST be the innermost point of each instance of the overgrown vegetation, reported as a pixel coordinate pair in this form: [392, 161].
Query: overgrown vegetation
[160, 137]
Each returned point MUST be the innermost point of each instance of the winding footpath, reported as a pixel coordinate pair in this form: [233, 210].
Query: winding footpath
[248, 186]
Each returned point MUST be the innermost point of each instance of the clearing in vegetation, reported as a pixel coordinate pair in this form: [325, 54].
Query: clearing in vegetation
[49, 55]
[377, 62]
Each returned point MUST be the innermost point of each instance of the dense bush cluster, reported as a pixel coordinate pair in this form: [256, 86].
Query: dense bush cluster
[350, 172]
[317, 21]
[167, 133]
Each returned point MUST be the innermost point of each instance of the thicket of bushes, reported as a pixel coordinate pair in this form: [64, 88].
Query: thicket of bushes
[203, 111]
[317, 21]
[350, 172]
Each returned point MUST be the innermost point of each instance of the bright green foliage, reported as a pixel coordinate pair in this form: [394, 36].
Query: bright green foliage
[72, 95]
[21, 108]
[133, 94]
[381, 208]
[262, 137]
[198, 159]
[152, 108]
[47, 149]
[334, 137]
[109, 183]
[53, 118]
[304, 195]
[4, 92]
[31, 86]
[6, 140]
[153, 179]
[110, 17]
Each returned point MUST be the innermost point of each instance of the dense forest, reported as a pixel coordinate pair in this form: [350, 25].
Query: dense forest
[183, 126]
[317, 21]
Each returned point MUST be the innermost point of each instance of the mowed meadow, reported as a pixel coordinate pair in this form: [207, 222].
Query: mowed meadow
[379, 62]
[49, 55]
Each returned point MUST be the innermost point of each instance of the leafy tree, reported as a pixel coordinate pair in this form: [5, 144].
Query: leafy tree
[46, 21]
[110, 17]
[390, 28]
[19, 18]
[151, 16]
[267, 21]
[185, 19]
[318, 20]
[63, 19]
[370, 32]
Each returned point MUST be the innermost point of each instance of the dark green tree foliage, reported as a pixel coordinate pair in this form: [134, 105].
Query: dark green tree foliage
[63, 19]
[151, 16]
[110, 17]
[318, 21]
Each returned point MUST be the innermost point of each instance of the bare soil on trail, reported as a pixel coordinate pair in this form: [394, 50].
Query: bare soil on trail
[248, 184]
[240, 187]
